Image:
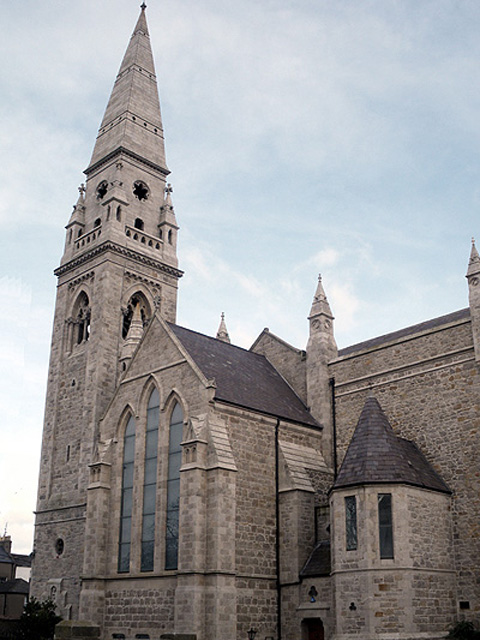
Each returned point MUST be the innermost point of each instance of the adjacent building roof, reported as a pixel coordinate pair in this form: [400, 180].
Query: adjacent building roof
[463, 314]
[377, 456]
[18, 585]
[22, 560]
[5, 557]
[244, 378]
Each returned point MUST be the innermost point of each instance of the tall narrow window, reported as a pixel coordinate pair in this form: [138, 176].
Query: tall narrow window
[173, 487]
[127, 497]
[351, 522]
[385, 525]
[150, 483]
[82, 318]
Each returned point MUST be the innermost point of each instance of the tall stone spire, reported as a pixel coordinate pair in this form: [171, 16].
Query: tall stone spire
[132, 119]
[222, 333]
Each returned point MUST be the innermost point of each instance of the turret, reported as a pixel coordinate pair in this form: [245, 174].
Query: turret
[473, 278]
[76, 224]
[222, 333]
[168, 228]
[321, 349]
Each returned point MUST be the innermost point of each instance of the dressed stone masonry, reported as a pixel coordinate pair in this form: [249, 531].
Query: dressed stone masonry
[193, 489]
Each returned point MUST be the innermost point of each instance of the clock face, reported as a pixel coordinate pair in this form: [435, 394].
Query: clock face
[140, 190]
[102, 189]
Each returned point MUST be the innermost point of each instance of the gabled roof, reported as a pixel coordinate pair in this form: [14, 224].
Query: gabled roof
[243, 378]
[377, 456]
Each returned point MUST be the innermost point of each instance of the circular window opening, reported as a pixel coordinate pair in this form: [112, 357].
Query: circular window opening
[59, 546]
[102, 189]
[140, 190]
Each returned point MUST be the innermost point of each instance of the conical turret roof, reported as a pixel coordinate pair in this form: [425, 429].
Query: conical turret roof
[222, 333]
[320, 305]
[474, 261]
[132, 120]
[377, 456]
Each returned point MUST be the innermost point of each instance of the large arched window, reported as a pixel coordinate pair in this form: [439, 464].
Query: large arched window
[150, 483]
[173, 487]
[127, 497]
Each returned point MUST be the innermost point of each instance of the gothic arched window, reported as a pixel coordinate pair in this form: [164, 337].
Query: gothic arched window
[81, 318]
[127, 497]
[150, 482]
[137, 299]
[173, 487]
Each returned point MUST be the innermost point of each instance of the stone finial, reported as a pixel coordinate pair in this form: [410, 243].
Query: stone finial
[320, 304]
[222, 333]
[168, 195]
[474, 261]
[81, 198]
[143, 6]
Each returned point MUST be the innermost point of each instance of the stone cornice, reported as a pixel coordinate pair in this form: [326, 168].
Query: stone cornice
[123, 251]
[122, 150]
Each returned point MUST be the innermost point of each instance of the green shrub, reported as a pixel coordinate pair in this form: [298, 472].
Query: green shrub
[38, 620]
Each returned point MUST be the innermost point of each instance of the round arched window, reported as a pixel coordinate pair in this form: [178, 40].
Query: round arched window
[59, 546]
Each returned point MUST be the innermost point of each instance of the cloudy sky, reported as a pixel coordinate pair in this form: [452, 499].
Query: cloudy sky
[303, 136]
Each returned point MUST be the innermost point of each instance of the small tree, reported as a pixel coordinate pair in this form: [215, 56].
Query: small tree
[38, 620]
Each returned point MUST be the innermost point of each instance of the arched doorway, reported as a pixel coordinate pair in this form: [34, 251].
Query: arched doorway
[312, 629]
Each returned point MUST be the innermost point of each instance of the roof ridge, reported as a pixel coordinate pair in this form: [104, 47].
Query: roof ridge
[228, 344]
[406, 331]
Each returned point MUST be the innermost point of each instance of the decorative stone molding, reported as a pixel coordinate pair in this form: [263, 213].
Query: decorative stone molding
[115, 248]
[77, 281]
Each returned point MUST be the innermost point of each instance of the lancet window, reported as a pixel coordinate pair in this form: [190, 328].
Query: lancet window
[150, 482]
[385, 524]
[351, 522]
[80, 323]
[127, 497]
[173, 487]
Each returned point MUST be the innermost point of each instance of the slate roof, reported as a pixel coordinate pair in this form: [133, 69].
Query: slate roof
[22, 560]
[243, 378]
[18, 585]
[463, 314]
[377, 456]
[319, 562]
[5, 557]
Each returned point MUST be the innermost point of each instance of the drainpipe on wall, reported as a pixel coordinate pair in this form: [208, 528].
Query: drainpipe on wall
[334, 427]
[277, 534]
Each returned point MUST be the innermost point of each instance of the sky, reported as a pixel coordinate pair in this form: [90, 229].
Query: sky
[303, 136]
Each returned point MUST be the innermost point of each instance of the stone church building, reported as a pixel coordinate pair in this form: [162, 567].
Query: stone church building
[189, 487]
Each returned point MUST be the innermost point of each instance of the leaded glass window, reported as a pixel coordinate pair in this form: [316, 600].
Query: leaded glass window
[173, 487]
[150, 482]
[385, 524]
[351, 522]
[127, 497]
